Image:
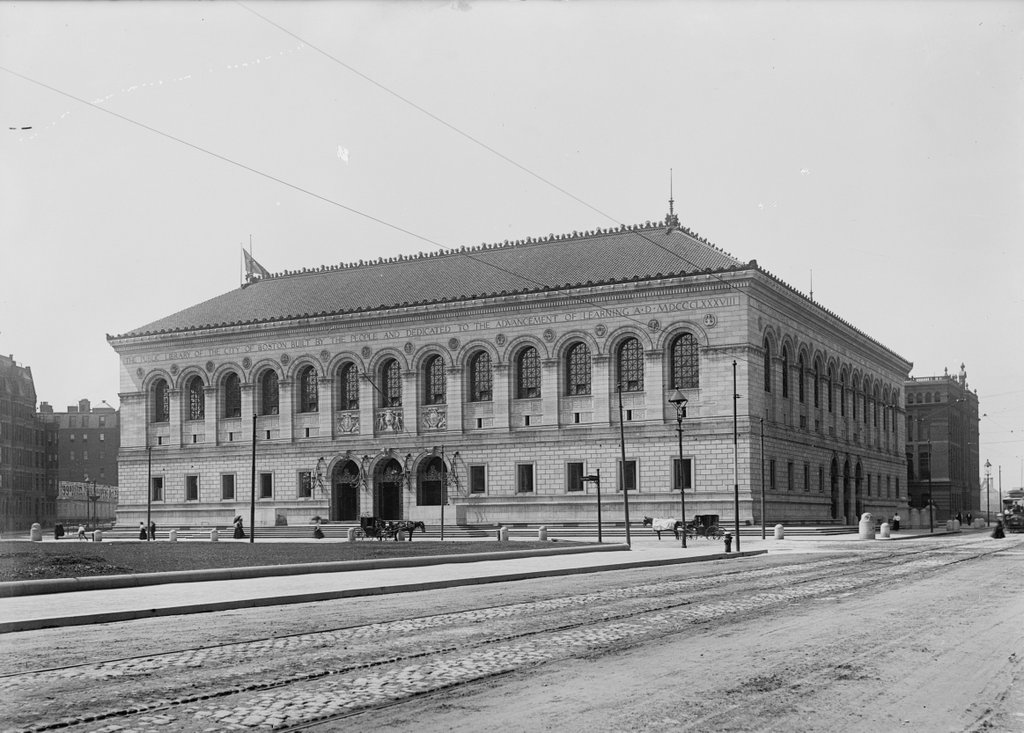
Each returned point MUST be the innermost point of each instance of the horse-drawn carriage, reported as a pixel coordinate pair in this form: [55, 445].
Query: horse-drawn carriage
[386, 529]
[702, 525]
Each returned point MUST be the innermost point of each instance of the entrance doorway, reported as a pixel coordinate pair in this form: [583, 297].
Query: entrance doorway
[836, 498]
[387, 492]
[345, 492]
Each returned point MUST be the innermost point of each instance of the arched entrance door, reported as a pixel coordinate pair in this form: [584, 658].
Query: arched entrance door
[846, 485]
[387, 490]
[429, 483]
[345, 492]
[858, 487]
[837, 500]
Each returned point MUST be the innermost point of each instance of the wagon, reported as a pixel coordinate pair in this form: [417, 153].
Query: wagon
[706, 526]
[386, 529]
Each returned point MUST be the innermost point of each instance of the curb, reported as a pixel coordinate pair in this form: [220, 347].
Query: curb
[369, 590]
[21, 588]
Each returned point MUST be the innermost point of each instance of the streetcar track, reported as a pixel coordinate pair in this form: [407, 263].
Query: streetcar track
[792, 576]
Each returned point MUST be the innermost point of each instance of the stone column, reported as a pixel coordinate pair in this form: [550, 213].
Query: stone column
[248, 392]
[602, 388]
[134, 428]
[410, 402]
[286, 411]
[211, 411]
[502, 395]
[655, 386]
[367, 399]
[325, 403]
[549, 391]
[454, 398]
[174, 406]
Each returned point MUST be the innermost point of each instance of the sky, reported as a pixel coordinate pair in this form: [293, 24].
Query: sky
[870, 150]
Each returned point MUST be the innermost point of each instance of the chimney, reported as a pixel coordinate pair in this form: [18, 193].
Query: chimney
[83, 407]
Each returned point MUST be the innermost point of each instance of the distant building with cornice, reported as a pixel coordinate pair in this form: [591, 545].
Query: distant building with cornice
[499, 370]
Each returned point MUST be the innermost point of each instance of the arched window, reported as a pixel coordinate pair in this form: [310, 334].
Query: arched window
[527, 374]
[269, 400]
[874, 405]
[767, 366]
[829, 386]
[842, 394]
[480, 377]
[817, 382]
[785, 371]
[631, 366]
[161, 401]
[348, 387]
[434, 381]
[685, 362]
[800, 378]
[232, 396]
[577, 370]
[853, 396]
[308, 390]
[391, 383]
[196, 399]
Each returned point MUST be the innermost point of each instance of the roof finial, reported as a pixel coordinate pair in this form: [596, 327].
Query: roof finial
[671, 220]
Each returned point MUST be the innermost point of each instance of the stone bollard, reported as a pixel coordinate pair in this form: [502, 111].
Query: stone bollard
[949, 525]
[352, 533]
[542, 534]
[866, 527]
[780, 532]
[727, 538]
[35, 533]
[883, 531]
[97, 535]
[214, 536]
[503, 534]
[172, 536]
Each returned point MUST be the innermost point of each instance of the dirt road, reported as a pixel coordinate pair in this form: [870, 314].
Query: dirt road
[921, 636]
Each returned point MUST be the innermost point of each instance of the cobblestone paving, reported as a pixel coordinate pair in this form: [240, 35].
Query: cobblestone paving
[451, 649]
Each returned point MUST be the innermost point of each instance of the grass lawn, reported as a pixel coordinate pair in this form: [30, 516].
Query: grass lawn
[73, 559]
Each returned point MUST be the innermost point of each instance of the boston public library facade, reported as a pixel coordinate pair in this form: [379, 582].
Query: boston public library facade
[497, 372]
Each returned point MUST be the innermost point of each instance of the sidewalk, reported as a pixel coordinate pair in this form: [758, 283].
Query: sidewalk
[107, 604]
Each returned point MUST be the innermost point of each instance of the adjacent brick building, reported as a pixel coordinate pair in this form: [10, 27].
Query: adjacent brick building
[497, 370]
[942, 445]
[28, 483]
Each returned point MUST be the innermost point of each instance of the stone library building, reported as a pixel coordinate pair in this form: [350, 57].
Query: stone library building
[495, 382]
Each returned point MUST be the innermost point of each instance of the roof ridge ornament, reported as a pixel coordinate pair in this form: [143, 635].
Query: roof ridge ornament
[672, 221]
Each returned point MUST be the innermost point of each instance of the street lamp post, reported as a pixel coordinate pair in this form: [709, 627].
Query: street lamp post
[149, 489]
[622, 469]
[596, 479]
[679, 400]
[931, 497]
[988, 487]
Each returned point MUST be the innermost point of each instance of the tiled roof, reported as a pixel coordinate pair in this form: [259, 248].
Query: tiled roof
[555, 262]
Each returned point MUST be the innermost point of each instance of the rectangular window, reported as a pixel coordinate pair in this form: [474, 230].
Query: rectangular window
[821, 479]
[807, 477]
[687, 474]
[771, 474]
[103, 421]
[790, 478]
[477, 479]
[524, 478]
[266, 486]
[628, 472]
[869, 485]
[305, 484]
[157, 489]
[924, 464]
[191, 488]
[103, 437]
[71, 437]
[227, 487]
[574, 476]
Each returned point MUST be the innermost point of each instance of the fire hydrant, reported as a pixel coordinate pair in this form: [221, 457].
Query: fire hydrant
[728, 541]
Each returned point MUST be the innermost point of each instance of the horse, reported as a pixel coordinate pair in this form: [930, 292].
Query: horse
[663, 524]
[406, 525]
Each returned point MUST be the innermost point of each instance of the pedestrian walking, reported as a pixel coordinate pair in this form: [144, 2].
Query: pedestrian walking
[152, 530]
[142, 531]
[997, 533]
[896, 522]
[58, 531]
[317, 532]
[239, 529]
[970, 518]
[81, 533]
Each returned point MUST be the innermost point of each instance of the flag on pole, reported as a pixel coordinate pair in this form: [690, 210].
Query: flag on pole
[253, 269]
